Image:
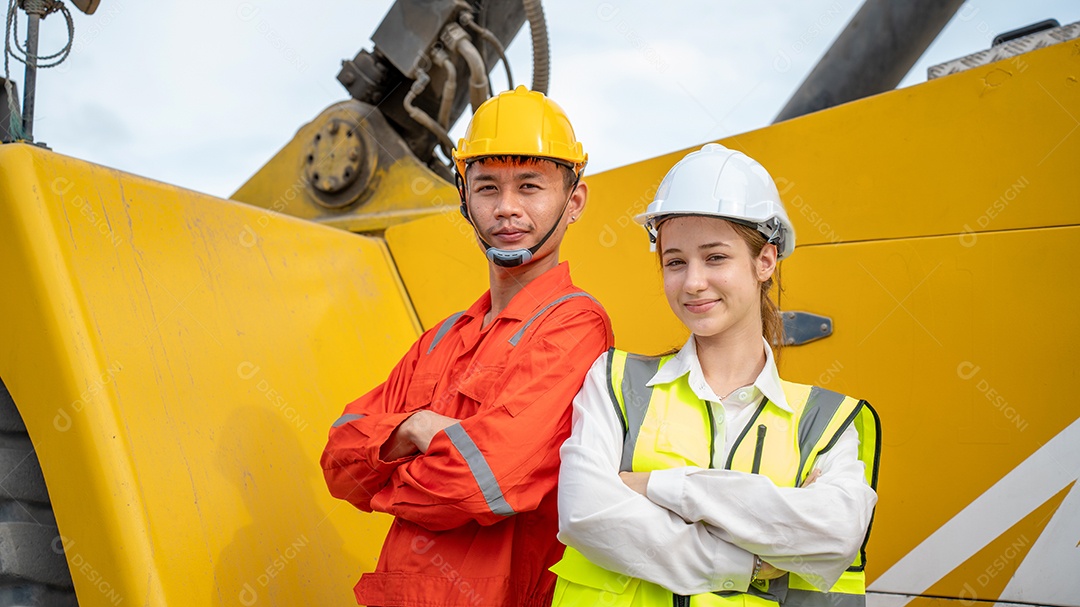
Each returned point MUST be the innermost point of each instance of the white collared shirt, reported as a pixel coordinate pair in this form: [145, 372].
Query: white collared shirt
[698, 529]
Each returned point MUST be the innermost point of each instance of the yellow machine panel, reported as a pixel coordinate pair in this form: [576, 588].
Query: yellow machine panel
[965, 375]
[177, 360]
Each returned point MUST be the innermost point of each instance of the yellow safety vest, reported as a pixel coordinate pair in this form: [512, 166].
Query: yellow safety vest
[780, 445]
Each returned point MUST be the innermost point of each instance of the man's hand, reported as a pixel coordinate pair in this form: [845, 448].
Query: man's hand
[422, 426]
[638, 481]
[414, 435]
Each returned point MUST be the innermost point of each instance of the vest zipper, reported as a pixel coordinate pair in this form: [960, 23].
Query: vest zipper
[679, 600]
[761, 429]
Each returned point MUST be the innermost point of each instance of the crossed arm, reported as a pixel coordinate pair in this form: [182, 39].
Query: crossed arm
[429, 468]
[716, 519]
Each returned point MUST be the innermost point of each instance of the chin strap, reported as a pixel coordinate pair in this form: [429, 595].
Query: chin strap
[511, 258]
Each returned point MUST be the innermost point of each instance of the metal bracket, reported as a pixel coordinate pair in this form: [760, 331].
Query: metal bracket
[1006, 49]
[803, 327]
[339, 162]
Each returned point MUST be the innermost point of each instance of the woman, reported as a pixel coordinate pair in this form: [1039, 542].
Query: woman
[702, 474]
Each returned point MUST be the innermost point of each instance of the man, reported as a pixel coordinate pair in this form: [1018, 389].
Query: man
[461, 442]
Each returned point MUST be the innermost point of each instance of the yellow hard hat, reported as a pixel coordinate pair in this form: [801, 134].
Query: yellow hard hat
[520, 123]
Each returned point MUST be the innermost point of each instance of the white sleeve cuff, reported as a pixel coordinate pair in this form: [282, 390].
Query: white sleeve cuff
[666, 488]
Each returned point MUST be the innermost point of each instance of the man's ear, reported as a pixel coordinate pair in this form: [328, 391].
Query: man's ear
[576, 204]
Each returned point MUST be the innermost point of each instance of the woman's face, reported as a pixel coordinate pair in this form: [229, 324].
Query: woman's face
[711, 279]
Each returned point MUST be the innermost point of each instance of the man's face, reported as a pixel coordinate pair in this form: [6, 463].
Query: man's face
[513, 203]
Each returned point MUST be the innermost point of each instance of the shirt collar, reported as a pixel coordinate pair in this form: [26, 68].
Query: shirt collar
[534, 295]
[686, 361]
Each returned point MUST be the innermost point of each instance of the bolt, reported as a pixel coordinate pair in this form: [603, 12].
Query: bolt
[334, 128]
[353, 155]
[824, 327]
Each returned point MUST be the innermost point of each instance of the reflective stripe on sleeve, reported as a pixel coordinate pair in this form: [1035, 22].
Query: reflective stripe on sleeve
[480, 469]
[348, 417]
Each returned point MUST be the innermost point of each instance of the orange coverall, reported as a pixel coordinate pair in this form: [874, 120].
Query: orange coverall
[476, 518]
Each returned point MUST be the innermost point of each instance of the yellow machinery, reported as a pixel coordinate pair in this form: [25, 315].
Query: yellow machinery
[178, 358]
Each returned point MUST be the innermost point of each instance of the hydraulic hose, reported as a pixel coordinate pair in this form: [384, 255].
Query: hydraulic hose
[419, 115]
[449, 87]
[456, 38]
[534, 12]
[469, 21]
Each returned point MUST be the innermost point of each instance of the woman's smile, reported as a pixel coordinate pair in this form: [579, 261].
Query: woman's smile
[700, 306]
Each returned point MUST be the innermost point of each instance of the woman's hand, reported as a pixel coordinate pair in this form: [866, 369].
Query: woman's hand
[810, 478]
[768, 572]
[638, 481]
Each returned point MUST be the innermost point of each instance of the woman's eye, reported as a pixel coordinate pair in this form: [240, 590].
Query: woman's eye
[671, 263]
[717, 257]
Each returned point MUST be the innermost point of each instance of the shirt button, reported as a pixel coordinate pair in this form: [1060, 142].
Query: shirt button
[729, 584]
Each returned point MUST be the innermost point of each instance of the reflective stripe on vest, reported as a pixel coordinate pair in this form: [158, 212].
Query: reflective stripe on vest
[634, 372]
[790, 445]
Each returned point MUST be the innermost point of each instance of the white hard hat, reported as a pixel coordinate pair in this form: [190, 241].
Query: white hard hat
[723, 183]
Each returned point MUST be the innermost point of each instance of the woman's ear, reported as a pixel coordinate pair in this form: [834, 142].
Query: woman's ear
[766, 262]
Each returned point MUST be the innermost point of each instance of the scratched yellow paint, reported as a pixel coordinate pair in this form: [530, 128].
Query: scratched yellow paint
[404, 190]
[178, 359]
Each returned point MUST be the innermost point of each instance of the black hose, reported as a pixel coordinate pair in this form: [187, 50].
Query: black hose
[534, 12]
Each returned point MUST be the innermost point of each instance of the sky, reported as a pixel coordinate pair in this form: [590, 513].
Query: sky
[201, 93]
